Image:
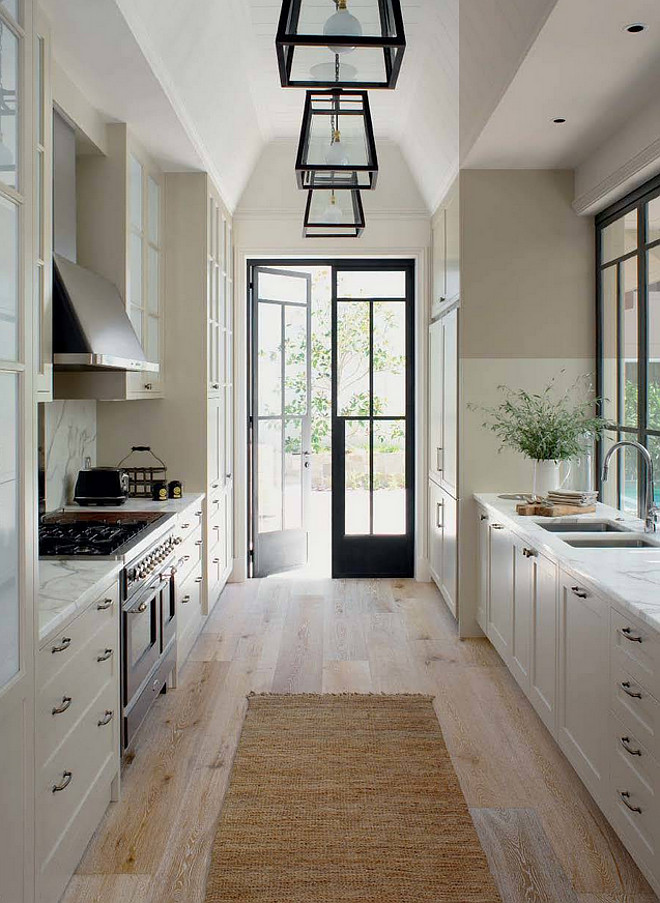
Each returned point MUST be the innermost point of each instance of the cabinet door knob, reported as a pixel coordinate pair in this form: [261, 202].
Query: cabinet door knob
[64, 783]
[625, 686]
[63, 706]
[105, 605]
[625, 796]
[66, 642]
[625, 742]
[104, 656]
[629, 635]
[107, 718]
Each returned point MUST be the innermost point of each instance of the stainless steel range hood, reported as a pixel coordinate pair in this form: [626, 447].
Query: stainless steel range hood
[91, 329]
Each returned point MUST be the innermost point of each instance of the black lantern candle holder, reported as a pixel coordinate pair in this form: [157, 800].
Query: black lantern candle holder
[333, 214]
[337, 148]
[352, 44]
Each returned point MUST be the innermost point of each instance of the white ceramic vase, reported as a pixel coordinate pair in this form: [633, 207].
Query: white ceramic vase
[546, 478]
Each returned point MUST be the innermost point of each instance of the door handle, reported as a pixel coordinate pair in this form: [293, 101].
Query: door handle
[629, 635]
[63, 706]
[440, 524]
[438, 465]
[64, 783]
[625, 742]
[625, 686]
[625, 796]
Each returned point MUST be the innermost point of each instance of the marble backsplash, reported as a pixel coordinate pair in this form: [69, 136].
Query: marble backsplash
[69, 437]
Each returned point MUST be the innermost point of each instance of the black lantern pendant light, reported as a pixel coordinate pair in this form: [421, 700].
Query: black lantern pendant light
[333, 214]
[337, 148]
[354, 44]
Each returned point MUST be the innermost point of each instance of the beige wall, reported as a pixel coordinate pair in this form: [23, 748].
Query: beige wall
[527, 314]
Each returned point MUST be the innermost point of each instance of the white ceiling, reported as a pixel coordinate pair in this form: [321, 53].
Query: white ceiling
[583, 67]
[197, 81]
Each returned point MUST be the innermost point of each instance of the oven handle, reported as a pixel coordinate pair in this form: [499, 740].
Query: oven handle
[149, 596]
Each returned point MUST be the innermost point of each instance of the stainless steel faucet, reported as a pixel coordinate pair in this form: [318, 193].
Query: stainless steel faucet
[651, 515]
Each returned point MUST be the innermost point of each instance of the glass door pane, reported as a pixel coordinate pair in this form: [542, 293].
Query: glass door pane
[281, 418]
[372, 422]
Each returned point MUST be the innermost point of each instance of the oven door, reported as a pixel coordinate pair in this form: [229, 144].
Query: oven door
[141, 637]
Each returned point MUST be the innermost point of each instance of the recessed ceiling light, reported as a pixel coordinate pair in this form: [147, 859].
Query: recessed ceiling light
[635, 27]
[559, 120]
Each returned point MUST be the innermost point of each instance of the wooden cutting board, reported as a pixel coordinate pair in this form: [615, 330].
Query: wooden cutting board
[545, 510]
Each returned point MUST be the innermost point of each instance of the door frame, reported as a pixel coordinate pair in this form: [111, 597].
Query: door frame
[417, 260]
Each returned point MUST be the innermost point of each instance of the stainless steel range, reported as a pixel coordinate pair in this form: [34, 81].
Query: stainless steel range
[146, 544]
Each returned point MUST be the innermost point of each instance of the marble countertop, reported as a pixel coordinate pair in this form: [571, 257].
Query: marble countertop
[66, 587]
[628, 577]
[170, 506]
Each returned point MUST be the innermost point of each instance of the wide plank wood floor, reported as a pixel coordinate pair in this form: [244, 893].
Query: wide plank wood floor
[544, 837]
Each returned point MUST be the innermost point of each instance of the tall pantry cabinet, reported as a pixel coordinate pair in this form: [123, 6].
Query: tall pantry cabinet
[443, 498]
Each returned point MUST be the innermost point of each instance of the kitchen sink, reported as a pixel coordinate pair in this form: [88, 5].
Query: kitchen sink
[591, 526]
[629, 541]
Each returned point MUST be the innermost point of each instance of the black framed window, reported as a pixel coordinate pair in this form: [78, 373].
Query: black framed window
[628, 297]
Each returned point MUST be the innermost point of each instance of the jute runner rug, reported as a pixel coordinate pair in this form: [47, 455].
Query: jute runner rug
[345, 798]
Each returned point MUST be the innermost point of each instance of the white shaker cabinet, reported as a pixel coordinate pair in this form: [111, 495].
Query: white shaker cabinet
[582, 703]
[443, 401]
[543, 662]
[484, 571]
[500, 609]
[443, 536]
[524, 590]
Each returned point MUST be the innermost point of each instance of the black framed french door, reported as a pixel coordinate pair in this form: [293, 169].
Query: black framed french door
[281, 417]
[373, 449]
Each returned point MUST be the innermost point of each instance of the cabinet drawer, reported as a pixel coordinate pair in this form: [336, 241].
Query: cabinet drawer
[66, 697]
[634, 800]
[189, 520]
[189, 554]
[189, 600]
[74, 767]
[59, 651]
[634, 706]
[637, 648]
[628, 747]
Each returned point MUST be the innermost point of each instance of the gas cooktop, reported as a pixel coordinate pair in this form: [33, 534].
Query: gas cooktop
[72, 536]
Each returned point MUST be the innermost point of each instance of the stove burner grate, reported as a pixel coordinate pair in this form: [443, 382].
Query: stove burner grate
[89, 538]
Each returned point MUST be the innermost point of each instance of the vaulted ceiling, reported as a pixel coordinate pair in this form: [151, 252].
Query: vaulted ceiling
[197, 80]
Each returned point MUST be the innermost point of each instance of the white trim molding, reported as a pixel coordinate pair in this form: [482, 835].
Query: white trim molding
[630, 175]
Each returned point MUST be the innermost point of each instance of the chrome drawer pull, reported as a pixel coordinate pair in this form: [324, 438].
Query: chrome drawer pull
[198, 579]
[104, 655]
[63, 706]
[66, 642]
[628, 634]
[184, 559]
[530, 553]
[216, 561]
[198, 513]
[580, 593]
[438, 452]
[497, 526]
[625, 742]
[64, 783]
[105, 605]
[185, 599]
[625, 686]
[107, 718]
[199, 542]
[184, 526]
[625, 796]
